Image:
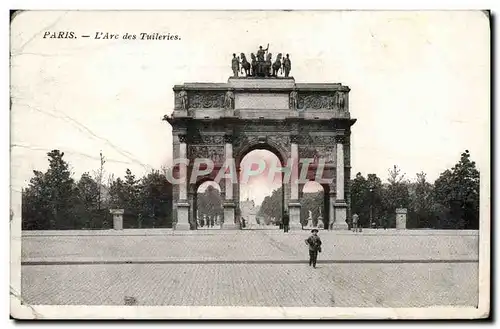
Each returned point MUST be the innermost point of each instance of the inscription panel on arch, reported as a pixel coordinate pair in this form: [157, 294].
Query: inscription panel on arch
[261, 101]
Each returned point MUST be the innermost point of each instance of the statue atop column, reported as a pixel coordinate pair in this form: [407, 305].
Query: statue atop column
[261, 53]
[235, 65]
[287, 65]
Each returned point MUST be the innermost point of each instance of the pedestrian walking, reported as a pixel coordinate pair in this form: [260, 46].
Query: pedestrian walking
[314, 243]
[286, 222]
[355, 222]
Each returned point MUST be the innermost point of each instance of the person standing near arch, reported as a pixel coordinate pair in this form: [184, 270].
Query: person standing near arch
[286, 222]
[314, 243]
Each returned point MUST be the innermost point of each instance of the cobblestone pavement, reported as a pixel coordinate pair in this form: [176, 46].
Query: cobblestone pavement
[263, 245]
[345, 285]
[251, 268]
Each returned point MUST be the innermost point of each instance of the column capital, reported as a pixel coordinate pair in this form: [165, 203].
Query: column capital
[294, 139]
[340, 139]
[182, 138]
[228, 139]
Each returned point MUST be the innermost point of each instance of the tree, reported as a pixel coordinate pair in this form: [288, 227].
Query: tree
[457, 189]
[155, 200]
[131, 192]
[395, 195]
[366, 198]
[88, 200]
[99, 177]
[117, 194]
[272, 205]
[50, 198]
[422, 211]
[36, 210]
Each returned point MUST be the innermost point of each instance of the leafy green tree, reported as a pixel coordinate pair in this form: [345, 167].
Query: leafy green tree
[210, 203]
[117, 194]
[88, 201]
[457, 189]
[395, 195]
[366, 198]
[272, 206]
[36, 209]
[51, 197]
[155, 200]
[422, 211]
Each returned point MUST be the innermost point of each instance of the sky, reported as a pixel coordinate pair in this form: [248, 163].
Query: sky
[420, 83]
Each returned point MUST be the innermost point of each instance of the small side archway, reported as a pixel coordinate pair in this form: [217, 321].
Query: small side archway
[207, 207]
[315, 205]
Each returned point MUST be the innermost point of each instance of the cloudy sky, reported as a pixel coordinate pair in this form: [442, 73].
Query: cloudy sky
[419, 83]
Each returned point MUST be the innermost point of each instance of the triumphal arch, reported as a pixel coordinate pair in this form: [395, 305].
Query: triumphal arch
[223, 122]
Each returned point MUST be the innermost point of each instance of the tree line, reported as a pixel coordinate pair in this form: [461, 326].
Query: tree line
[55, 200]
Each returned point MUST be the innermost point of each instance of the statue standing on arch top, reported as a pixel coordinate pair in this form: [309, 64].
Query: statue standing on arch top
[287, 65]
[261, 53]
[235, 65]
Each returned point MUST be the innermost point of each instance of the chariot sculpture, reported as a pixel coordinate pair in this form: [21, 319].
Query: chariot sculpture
[261, 65]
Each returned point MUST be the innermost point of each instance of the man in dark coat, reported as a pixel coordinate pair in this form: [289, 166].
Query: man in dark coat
[314, 243]
[286, 222]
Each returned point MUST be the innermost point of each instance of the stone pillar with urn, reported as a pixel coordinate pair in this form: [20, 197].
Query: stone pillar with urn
[117, 218]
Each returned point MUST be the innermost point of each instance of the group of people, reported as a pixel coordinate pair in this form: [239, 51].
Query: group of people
[208, 221]
[357, 226]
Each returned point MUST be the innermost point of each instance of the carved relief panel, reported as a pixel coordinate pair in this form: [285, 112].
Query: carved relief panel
[326, 153]
[324, 101]
[206, 100]
[215, 153]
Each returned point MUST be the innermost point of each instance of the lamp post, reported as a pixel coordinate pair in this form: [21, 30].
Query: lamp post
[371, 207]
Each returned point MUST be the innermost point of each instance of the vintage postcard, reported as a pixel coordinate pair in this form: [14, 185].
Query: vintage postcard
[250, 164]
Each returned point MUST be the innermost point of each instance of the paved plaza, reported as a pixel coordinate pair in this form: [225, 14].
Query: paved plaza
[374, 268]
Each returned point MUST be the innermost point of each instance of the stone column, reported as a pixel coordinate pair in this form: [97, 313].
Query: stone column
[182, 203]
[229, 204]
[294, 204]
[117, 218]
[331, 209]
[401, 218]
[340, 205]
[192, 211]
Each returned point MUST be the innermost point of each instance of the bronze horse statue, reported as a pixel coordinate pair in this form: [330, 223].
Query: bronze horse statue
[245, 65]
[277, 65]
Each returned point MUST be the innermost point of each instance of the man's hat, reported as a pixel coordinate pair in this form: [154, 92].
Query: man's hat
[314, 230]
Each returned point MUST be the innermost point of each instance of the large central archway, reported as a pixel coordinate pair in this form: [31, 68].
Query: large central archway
[261, 192]
[226, 121]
